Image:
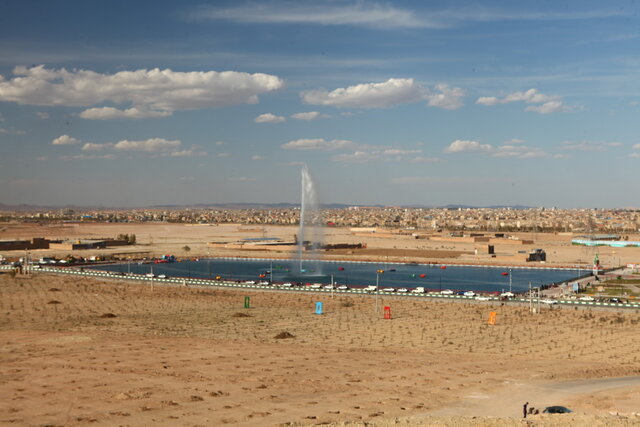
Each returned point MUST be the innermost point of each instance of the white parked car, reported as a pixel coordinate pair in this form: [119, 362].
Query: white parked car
[162, 276]
[447, 292]
[329, 287]
[316, 286]
[587, 298]
[343, 287]
[389, 290]
[507, 295]
[287, 285]
[249, 282]
[469, 294]
[418, 290]
[482, 298]
[548, 301]
[371, 288]
[403, 290]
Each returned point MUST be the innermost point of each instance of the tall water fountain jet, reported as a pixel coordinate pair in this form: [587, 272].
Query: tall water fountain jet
[311, 228]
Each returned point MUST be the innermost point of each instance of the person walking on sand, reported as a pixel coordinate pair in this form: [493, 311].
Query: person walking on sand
[524, 409]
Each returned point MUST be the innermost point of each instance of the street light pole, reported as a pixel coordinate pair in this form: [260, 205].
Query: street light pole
[510, 281]
[377, 289]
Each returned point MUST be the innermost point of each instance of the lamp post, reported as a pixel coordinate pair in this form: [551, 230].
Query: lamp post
[378, 273]
[510, 281]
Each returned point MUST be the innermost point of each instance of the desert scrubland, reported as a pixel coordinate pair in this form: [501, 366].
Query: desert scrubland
[76, 351]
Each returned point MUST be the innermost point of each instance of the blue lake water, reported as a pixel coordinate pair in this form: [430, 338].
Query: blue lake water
[486, 279]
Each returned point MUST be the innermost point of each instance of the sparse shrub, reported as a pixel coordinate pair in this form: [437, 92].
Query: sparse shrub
[284, 335]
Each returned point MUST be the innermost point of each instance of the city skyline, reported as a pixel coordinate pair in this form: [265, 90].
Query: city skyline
[388, 103]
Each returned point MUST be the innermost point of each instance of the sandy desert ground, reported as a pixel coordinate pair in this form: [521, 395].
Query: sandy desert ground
[78, 351]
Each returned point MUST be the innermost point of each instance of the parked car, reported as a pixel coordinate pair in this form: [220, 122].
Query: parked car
[548, 301]
[469, 294]
[389, 290]
[447, 292]
[556, 410]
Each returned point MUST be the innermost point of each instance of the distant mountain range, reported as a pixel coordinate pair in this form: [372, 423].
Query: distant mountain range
[30, 208]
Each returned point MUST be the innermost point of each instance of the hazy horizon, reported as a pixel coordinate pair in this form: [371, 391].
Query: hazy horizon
[139, 104]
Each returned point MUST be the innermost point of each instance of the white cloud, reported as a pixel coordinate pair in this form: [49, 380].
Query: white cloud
[42, 115]
[446, 97]
[88, 157]
[361, 14]
[256, 157]
[150, 92]
[531, 96]
[588, 145]
[318, 144]
[379, 15]
[548, 103]
[356, 157]
[65, 140]
[42, 158]
[371, 154]
[399, 152]
[636, 147]
[148, 145]
[90, 146]
[187, 153]
[548, 107]
[241, 179]
[459, 146]
[519, 152]
[488, 100]
[12, 131]
[269, 118]
[308, 116]
[110, 113]
[385, 95]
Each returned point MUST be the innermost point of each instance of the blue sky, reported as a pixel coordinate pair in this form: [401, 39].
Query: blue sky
[396, 103]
